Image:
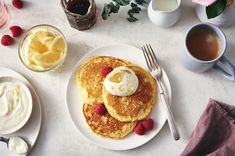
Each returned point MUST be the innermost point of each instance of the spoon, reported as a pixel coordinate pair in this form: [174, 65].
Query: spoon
[4, 140]
[16, 145]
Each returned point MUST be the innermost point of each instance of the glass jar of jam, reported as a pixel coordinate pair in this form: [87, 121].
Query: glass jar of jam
[81, 14]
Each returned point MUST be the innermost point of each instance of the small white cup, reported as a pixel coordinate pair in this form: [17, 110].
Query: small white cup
[163, 18]
[196, 65]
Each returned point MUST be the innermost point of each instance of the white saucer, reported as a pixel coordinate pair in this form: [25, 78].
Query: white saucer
[31, 129]
[74, 103]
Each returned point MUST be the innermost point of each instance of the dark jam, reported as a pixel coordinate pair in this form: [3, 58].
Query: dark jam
[78, 6]
[80, 13]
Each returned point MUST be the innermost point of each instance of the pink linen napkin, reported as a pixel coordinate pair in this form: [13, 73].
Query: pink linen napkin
[215, 132]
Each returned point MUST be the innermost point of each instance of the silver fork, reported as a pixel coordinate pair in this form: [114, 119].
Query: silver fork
[156, 71]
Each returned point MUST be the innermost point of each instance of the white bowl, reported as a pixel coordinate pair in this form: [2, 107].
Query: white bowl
[30, 105]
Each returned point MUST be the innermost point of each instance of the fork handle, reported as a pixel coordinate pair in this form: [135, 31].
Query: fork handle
[169, 115]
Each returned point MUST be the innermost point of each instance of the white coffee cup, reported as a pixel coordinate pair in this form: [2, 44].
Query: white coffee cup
[161, 17]
[219, 63]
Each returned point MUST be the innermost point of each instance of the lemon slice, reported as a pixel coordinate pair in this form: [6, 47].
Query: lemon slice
[58, 44]
[37, 46]
[30, 56]
[48, 40]
[45, 49]
[40, 34]
[50, 57]
[47, 59]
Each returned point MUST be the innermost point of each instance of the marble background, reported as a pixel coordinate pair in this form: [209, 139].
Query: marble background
[191, 91]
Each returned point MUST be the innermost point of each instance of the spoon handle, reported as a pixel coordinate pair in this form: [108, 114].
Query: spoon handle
[4, 139]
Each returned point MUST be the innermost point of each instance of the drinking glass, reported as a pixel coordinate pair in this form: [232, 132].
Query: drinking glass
[24, 55]
[3, 13]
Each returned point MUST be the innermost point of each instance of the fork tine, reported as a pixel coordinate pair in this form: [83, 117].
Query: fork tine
[153, 56]
[151, 60]
[152, 65]
[146, 58]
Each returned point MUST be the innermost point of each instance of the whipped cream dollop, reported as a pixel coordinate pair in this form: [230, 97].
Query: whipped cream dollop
[122, 81]
[14, 106]
[17, 145]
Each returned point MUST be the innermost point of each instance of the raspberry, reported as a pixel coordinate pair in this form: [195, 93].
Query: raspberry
[6, 40]
[139, 129]
[106, 70]
[147, 124]
[17, 3]
[16, 31]
[100, 109]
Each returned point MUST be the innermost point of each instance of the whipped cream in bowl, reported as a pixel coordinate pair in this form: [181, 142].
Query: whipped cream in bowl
[16, 105]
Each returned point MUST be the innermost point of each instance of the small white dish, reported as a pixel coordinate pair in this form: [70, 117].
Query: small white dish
[161, 17]
[31, 129]
[74, 102]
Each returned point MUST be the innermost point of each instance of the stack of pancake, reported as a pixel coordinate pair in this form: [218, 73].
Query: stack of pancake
[123, 111]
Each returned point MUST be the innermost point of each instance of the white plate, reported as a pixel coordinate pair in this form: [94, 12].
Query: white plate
[31, 129]
[74, 104]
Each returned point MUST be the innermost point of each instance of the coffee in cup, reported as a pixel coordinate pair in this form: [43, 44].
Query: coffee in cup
[205, 46]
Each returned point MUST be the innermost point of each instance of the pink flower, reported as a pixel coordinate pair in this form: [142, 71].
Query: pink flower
[204, 2]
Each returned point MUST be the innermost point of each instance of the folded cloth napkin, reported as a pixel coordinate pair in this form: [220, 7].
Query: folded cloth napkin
[215, 132]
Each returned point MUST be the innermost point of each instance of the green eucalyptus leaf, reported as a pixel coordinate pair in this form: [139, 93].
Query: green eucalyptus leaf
[132, 19]
[122, 2]
[140, 2]
[108, 9]
[130, 13]
[114, 8]
[134, 10]
[133, 5]
[216, 9]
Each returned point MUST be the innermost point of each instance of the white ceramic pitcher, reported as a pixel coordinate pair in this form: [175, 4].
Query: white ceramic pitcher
[163, 18]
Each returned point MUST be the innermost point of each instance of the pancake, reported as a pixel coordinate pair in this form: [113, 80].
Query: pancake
[90, 80]
[136, 106]
[105, 125]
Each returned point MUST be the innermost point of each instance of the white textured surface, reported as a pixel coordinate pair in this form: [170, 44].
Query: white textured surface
[191, 91]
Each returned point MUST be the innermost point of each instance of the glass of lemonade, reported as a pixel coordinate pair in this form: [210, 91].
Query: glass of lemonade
[3, 13]
[42, 48]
